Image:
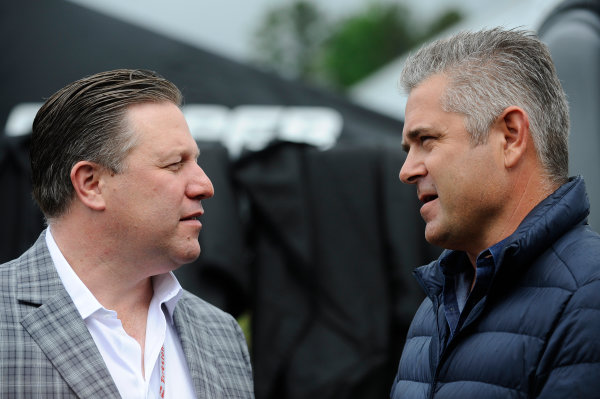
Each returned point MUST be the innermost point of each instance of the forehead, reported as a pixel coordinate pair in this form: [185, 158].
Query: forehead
[425, 97]
[160, 128]
[425, 114]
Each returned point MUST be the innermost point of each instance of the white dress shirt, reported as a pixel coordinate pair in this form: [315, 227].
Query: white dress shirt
[122, 353]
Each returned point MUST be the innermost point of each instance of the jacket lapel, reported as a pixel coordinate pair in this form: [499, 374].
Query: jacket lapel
[197, 351]
[56, 326]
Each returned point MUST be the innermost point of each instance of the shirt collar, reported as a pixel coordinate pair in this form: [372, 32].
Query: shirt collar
[167, 289]
[167, 292]
[495, 252]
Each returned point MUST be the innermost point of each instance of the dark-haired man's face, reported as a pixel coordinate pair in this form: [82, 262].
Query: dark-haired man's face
[155, 202]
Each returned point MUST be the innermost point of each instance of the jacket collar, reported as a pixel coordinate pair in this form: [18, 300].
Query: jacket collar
[562, 210]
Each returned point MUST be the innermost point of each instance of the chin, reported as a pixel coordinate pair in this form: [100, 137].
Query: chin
[187, 256]
[436, 237]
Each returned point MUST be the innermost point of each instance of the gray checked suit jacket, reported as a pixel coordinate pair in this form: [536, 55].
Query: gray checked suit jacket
[46, 350]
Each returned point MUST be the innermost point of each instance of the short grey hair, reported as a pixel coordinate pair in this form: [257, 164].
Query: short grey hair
[85, 121]
[490, 70]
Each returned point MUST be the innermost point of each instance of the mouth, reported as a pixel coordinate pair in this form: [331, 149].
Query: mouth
[193, 218]
[194, 215]
[190, 218]
[427, 198]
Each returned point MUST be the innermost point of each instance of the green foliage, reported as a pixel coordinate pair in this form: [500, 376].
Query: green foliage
[297, 41]
[245, 322]
[364, 42]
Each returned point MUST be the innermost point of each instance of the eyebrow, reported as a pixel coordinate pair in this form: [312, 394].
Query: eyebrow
[180, 152]
[412, 135]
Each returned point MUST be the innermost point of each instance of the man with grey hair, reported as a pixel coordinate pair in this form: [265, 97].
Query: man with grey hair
[92, 309]
[513, 303]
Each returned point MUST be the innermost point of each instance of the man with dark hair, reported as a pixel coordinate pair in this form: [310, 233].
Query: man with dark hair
[512, 306]
[93, 309]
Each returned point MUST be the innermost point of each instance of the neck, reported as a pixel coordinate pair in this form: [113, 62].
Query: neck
[115, 282]
[528, 189]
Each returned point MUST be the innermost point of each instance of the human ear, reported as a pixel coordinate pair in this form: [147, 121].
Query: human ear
[86, 178]
[514, 125]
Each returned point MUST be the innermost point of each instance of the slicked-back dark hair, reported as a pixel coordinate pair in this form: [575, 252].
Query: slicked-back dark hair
[85, 121]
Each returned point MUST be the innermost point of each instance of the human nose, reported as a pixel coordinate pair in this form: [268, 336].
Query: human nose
[200, 187]
[412, 169]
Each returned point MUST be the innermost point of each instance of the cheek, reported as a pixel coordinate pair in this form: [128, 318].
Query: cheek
[460, 185]
[168, 199]
[160, 190]
[450, 176]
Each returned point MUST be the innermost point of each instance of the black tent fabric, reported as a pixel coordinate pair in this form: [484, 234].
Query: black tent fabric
[21, 218]
[317, 245]
[333, 291]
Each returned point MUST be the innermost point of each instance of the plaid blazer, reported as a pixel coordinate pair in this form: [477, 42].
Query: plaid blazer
[46, 350]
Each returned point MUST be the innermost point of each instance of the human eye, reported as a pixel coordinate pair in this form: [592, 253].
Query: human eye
[427, 140]
[175, 166]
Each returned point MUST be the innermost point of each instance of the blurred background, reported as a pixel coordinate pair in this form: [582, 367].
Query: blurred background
[310, 239]
[352, 46]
